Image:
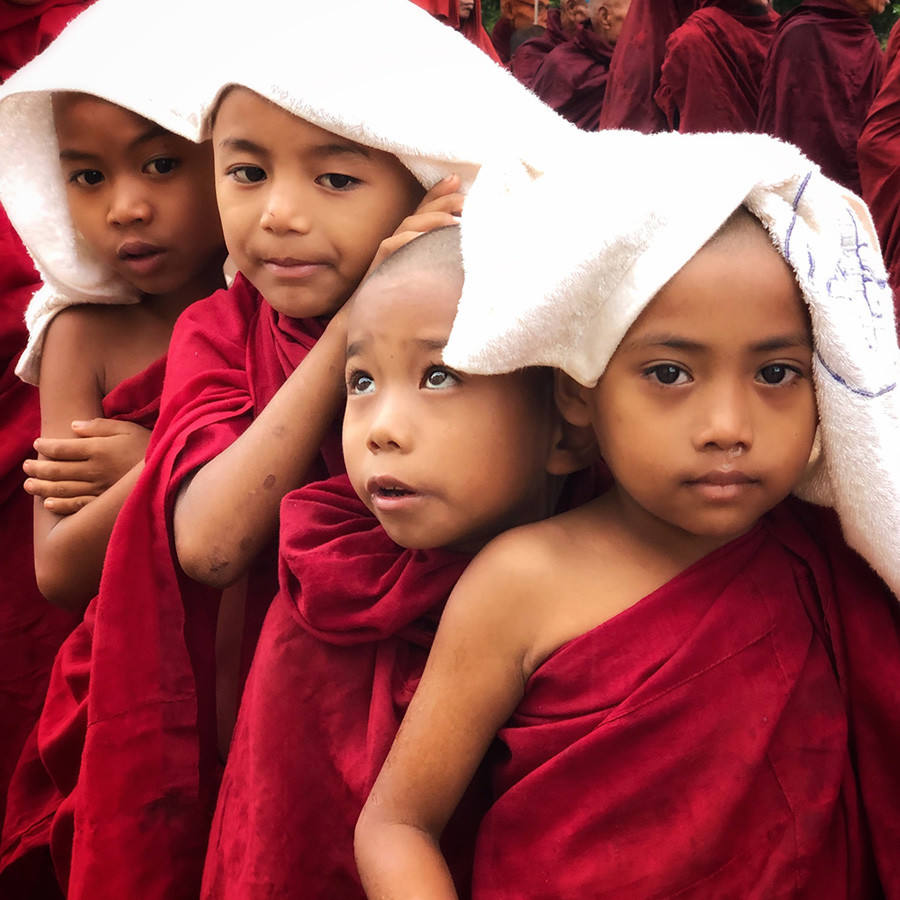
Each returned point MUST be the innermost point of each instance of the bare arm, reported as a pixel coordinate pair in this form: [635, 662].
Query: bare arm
[69, 549]
[228, 511]
[474, 679]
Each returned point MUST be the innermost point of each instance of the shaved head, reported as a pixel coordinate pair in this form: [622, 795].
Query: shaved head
[433, 251]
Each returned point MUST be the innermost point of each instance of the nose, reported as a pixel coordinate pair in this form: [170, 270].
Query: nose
[128, 203]
[285, 210]
[725, 420]
[389, 428]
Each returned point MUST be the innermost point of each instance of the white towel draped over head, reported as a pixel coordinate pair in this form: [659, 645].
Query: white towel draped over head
[610, 243]
[386, 75]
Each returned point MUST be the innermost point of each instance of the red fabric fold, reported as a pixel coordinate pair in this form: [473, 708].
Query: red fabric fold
[634, 72]
[528, 57]
[25, 869]
[824, 69]
[27, 30]
[341, 651]
[879, 163]
[473, 29]
[572, 78]
[712, 70]
[733, 734]
[132, 747]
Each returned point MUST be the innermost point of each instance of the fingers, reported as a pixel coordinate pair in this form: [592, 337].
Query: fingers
[61, 470]
[65, 507]
[64, 490]
[68, 449]
[101, 427]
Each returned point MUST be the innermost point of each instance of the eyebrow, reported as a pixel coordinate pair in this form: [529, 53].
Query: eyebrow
[676, 342]
[320, 151]
[68, 154]
[356, 347]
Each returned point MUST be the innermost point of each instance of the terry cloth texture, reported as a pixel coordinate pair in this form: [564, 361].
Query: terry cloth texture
[571, 307]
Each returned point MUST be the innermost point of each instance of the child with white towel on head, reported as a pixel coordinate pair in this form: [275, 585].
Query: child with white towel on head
[687, 686]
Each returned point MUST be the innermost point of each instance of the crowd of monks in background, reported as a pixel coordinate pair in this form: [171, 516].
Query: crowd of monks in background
[815, 76]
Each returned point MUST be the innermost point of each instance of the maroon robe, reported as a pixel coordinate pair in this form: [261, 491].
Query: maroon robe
[733, 734]
[528, 57]
[127, 737]
[879, 164]
[634, 73]
[501, 36]
[713, 67]
[31, 630]
[340, 654]
[572, 78]
[32, 799]
[824, 68]
[26, 30]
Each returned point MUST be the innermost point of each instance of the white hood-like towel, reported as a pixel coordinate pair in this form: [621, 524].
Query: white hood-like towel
[610, 244]
[385, 74]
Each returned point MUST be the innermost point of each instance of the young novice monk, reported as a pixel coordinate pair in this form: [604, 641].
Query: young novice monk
[678, 704]
[311, 180]
[358, 601]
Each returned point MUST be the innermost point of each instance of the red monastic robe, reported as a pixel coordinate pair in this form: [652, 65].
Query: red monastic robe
[733, 734]
[31, 630]
[448, 12]
[528, 57]
[26, 30]
[128, 733]
[572, 78]
[340, 654]
[824, 68]
[713, 67]
[33, 798]
[634, 73]
[879, 164]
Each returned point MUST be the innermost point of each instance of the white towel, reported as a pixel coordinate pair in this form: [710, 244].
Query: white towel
[385, 74]
[612, 243]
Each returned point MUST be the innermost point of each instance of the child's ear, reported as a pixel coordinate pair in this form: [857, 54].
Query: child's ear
[572, 400]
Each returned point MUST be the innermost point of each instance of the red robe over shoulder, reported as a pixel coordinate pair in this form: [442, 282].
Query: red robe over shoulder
[32, 797]
[733, 734]
[528, 57]
[572, 78]
[713, 67]
[634, 73]
[128, 733]
[31, 630]
[824, 69]
[340, 654]
[879, 163]
[26, 30]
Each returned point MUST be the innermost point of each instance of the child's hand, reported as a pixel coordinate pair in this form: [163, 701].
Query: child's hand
[440, 207]
[76, 470]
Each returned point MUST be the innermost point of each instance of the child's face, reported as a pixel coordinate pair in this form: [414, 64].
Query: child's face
[442, 459]
[142, 198]
[706, 413]
[303, 210]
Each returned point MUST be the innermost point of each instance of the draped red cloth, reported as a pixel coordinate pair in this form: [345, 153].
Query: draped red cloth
[473, 29]
[26, 30]
[713, 67]
[128, 733]
[32, 798]
[733, 734]
[341, 651]
[528, 57]
[634, 73]
[31, 630]
[572, 78]
[879, 163]
[824, 69]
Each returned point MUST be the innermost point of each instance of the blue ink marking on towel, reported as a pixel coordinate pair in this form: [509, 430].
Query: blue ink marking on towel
[861, 392]
[794, 205]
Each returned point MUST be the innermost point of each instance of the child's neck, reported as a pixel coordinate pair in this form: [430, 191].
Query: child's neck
[168, 307]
